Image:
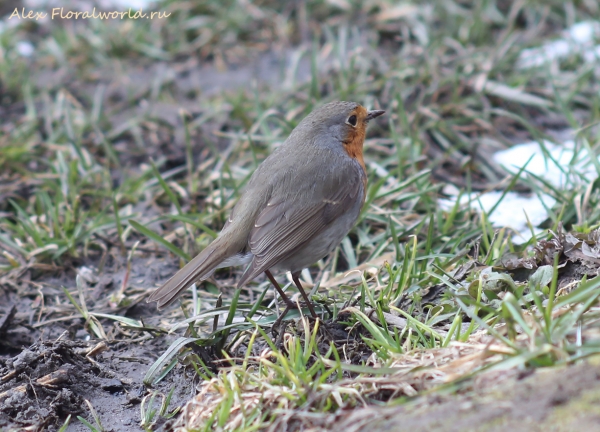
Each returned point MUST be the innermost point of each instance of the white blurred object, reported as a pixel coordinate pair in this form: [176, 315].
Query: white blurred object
[579, 39]
[25, 48]
[562, 165]
[512, 212]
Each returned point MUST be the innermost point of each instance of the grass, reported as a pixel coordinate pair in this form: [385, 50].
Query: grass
[101, 160]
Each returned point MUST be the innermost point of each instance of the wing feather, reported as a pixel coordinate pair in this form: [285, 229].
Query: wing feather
[284, 226]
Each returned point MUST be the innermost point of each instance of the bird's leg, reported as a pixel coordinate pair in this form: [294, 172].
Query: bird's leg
[281, 317]
[288, 303]
[306, 299]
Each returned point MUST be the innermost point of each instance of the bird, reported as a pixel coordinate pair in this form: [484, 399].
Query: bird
[297, 207]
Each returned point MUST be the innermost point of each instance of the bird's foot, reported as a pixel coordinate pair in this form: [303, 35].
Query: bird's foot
[289, 306]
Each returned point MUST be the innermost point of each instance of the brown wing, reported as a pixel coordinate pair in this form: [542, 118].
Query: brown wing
[285, 225]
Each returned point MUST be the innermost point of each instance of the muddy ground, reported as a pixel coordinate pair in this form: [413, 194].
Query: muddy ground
[52, 379]
[49, 369]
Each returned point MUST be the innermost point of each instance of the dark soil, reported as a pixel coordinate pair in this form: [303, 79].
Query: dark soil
[49, 366]
[48, 381]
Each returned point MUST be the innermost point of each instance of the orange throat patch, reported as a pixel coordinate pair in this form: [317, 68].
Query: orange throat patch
[353, 144]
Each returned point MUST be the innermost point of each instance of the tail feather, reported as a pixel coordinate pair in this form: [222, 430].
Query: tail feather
[199, 268]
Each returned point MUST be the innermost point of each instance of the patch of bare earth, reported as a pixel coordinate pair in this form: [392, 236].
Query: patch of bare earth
[49, 366]
[46, 382]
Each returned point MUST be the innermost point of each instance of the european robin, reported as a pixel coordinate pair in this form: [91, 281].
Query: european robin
[297, 207]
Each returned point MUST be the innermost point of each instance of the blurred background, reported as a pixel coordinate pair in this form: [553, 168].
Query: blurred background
[473, 90]
[124, 143]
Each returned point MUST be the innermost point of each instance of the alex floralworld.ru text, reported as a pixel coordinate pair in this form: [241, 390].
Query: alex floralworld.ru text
[60, 12]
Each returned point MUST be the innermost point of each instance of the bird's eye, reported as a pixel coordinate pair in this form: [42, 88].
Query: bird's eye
[351, 120]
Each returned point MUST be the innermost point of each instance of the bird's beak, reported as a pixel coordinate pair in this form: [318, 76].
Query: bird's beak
[372, 114]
